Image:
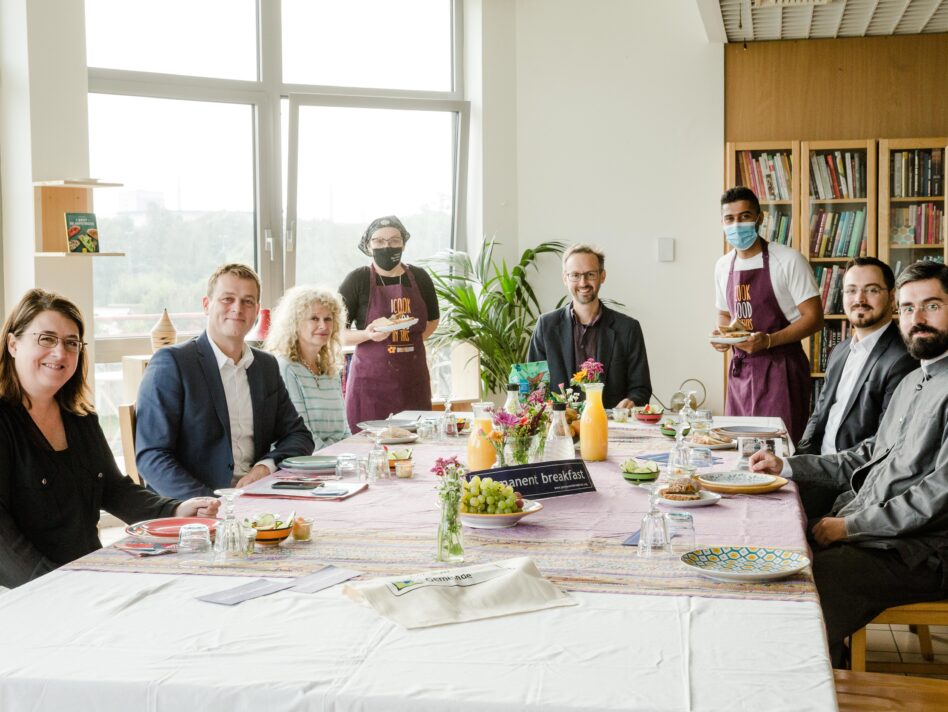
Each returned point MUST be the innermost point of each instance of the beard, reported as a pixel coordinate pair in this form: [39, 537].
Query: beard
[868, 318]
[924, 342]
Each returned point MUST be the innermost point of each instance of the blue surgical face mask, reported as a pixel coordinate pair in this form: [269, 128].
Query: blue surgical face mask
[741, 235]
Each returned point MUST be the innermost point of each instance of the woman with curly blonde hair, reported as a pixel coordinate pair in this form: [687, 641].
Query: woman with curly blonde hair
[305, 338]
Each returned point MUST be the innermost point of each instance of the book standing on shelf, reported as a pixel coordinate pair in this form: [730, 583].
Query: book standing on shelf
[82, 234]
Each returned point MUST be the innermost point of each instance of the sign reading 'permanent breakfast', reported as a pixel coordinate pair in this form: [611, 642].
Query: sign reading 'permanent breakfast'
[544, 479]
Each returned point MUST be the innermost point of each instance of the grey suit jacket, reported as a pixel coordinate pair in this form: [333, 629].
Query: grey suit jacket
[620, 348]
[182, 433]
[894, 487]
[885, 368]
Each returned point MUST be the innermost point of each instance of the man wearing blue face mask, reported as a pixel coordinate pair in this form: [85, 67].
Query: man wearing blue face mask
[769, 290]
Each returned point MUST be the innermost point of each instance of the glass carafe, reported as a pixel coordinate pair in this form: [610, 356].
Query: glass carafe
[559, 439]
[594, 425]
[481, 454]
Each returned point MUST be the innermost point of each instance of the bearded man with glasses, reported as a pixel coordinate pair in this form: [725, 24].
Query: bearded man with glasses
[586, 328]
[884, 541]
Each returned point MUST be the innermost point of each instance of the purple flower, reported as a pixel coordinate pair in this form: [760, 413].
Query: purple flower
[442, 464]
[503, 419]
[538, 397]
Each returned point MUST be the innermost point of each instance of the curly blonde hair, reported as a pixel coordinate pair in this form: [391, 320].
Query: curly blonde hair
[284, 335]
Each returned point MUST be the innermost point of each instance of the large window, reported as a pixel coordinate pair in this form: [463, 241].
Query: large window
[188, 109]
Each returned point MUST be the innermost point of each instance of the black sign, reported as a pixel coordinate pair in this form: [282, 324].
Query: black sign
[543, 479]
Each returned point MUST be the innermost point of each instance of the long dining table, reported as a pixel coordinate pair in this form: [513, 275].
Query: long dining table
[115, 632]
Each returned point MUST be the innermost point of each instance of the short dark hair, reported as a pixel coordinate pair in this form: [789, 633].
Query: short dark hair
[924, 269]
[740, 192]
[887, 275]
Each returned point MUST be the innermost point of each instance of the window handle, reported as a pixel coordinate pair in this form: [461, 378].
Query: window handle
[290, 236]
[268, 243]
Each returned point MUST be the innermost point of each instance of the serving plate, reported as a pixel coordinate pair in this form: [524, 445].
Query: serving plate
[745, 563]
[728, 339]
[746, 431]
[747, 489]
[500, 521]
[166, 529]
[396, 327]
[376, 425]
[707, 499]
[736, 478]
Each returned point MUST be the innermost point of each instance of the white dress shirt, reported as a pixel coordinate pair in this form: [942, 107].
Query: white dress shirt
[858, 355]
[239, 409]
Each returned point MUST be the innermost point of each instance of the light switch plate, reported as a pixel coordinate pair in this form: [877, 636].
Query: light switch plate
[666, 249]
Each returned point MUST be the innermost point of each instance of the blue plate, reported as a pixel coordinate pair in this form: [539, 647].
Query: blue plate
[745, 563]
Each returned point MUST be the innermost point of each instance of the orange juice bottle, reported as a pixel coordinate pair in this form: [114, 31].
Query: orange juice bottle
[594, 426]
[480, 452]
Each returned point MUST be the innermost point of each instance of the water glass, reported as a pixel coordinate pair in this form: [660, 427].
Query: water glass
[346, 465]
[194, 539]
[250, 537]
[653, 537]
[303, 528]
[681, 531]
[449, 425]
[364, 470]
[377, 465]
[404, 469]
[701, 457]
[427, 429]
[620, 415]
[701, 422]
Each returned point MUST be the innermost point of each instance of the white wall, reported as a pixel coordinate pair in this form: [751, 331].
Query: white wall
[620, 124]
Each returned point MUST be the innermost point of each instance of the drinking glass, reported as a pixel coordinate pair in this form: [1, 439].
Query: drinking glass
[377, 465]
[701, 423]
[229, 540]
[346, 465]
[194, 539]
[449, 425]
[653, 538]
[250, 538]
[620, 415]
[701, 457]
[681, 531]
[427, 429]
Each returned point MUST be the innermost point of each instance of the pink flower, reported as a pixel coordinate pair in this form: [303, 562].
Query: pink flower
[442, 464]
[503, 419]
[538, 397]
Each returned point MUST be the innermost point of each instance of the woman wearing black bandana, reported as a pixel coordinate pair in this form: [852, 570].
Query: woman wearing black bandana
[389, 370]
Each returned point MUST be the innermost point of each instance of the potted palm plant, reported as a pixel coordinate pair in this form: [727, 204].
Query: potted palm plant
[488, 305]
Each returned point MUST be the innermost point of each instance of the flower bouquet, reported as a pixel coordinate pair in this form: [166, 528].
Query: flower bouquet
[450, 488]
[518, 437]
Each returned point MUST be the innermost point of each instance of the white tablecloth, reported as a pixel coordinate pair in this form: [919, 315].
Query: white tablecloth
[80, 640]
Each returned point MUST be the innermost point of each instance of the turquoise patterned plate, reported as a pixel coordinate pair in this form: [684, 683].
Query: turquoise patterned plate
[745, 563]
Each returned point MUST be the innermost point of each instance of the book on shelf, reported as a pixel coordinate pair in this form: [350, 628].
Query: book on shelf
[775, 226]
[830, 282]
[918, 173]
[766, 173]
[920, 224]
[837, 175]
[82, 234]
[838, 233]
[824, 341]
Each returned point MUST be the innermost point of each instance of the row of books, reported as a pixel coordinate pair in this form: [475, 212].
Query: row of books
[921, 224]
[897, 268]
[838, 174]
[917, 173]
[815, 393]
[838, 233]
[830, 282]
[776, 226]
[822, 343]
[767, 174]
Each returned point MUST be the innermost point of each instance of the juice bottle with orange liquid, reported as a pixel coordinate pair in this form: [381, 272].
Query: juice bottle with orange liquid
[480, 452]
[594, 426]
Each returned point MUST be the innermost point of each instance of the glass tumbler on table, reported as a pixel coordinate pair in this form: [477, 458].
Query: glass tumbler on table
[346, 465]
[229, 541]
[681, 531]
[194, 539]
[653, 537]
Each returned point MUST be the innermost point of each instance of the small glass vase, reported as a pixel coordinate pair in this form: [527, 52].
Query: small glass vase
[450, 538]
[523, 450]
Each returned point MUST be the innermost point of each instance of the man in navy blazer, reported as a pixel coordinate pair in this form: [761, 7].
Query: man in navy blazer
[214, 412]
[587, 328]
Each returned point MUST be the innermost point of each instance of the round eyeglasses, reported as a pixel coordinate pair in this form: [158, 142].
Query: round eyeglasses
[930, 308]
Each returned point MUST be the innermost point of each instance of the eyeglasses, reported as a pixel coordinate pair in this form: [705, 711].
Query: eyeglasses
[871, 291]
[588, 276]
[51, 341]
[929, 308]
[389, 242]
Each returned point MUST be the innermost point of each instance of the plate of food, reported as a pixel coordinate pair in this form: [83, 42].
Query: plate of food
[668, 430]
[271, 528]
[389, 324]
[166, 529]
[745, 563]
[394, 436]
[685, 492]
[648, 414]
[730, 335]
[713, 441]
[500, 521]
[374, 425]
[639, 470]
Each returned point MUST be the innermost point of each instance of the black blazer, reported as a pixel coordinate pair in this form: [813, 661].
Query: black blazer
[887, 364]
[620, 348]
[182, 430]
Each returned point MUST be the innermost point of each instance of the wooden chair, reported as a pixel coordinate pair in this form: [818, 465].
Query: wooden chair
[126, 415]
[917, 615]
[872, 692]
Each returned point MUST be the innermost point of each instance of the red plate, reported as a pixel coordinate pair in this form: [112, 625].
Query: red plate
[169, 527]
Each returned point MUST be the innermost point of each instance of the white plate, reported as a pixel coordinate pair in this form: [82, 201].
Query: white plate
[707, 498]
[728, 339]
[376, 425]
[500, 521]
[397, 441]
[736, 478]
[396, 327]
[744, 563]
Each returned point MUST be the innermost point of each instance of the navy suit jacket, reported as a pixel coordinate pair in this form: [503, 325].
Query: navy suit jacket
[887, 364]
[620, 348]
[182, 434]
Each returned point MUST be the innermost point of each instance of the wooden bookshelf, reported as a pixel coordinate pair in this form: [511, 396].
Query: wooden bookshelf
[52, 199]
[770, 169]
[912, 201]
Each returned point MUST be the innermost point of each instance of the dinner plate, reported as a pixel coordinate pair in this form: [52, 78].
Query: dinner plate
[310, 462]
[500, 521]
[745, 563]
[728, 339]
[375, 425]
[707, 498]
[751, 489]
[399, 441]
[396, 327]
[736, 478]
[747, 431]
[157, 530]
[640, 476]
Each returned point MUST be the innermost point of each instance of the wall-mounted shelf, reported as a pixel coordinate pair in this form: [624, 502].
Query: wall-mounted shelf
[75, 183]
[52, 199]
[79, 254]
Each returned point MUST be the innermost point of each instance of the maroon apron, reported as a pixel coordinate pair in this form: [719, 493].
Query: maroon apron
[773, 382]
[391, 375]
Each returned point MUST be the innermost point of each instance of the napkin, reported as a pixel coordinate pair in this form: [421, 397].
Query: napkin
[469, 593]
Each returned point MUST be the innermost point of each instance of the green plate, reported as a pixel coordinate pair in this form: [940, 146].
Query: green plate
[671, 433]
[640, 476]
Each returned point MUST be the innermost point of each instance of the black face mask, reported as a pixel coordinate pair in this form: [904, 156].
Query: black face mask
[387, 258]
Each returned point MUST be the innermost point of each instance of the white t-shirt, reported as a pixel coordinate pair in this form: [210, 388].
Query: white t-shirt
[790, 275]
